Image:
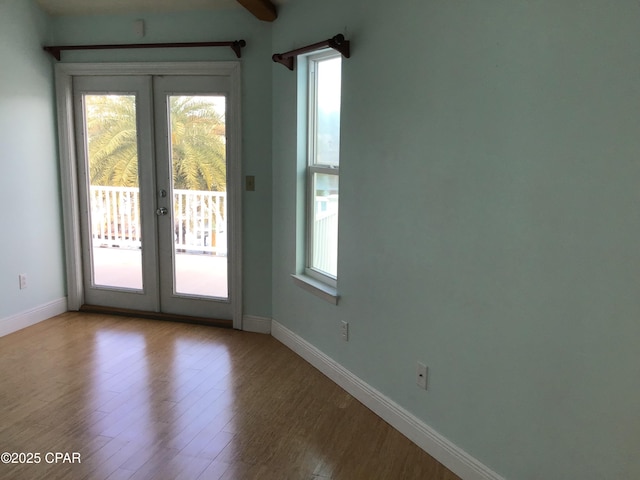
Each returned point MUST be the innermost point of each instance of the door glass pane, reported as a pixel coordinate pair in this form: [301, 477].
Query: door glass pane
[198, 164]
[324, 241]
[114, 200]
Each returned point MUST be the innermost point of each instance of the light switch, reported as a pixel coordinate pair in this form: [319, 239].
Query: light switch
[138, 28]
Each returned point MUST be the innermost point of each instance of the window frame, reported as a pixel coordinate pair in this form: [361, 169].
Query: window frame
[312, 167]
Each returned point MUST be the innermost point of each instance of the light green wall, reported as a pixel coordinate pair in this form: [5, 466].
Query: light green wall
[31, 234]
[489, 207]
[256, 104]
[489, 222]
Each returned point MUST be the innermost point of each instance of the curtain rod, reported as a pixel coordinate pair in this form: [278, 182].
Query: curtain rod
[337, 43]
[236, 46]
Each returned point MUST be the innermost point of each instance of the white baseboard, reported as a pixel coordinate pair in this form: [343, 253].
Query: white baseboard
[251, 323]
[443, 450]
[31, 317]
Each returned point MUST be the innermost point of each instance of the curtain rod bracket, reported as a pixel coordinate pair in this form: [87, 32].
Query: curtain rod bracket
[56, 50]
[337, 43]
[237, 47]
[286, 61]
[341, 45]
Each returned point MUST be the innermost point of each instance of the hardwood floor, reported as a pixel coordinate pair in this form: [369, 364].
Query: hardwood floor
[146, 399]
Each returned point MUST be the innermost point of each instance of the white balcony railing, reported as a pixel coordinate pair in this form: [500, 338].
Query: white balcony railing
[199, 222]
[199, 219]
[325, 234]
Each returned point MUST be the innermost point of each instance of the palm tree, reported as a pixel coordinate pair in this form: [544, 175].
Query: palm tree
[197, 139]
[198, 148]
[112, 140]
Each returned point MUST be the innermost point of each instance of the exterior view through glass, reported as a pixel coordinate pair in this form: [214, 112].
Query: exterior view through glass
[198, 165]
[325, 90]
[199, 196]
[114, 194]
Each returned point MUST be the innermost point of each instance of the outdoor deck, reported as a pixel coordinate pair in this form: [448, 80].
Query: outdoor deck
[196, 274]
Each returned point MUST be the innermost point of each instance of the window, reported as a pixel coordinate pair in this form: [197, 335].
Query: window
[323, 169]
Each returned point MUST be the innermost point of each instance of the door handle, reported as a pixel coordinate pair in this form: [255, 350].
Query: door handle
[162, 211]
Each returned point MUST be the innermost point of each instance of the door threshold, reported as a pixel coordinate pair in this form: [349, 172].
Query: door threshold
[170, 317]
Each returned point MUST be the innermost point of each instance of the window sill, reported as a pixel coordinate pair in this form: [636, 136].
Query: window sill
[317, 288]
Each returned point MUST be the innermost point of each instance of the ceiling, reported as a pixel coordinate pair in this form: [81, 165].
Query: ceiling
[97, 7]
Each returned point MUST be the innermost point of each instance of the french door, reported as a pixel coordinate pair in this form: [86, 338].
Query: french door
[156, 173]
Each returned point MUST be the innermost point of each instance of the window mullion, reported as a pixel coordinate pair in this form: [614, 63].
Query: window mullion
[327, 170]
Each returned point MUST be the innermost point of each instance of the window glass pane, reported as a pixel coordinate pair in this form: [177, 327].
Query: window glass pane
[324, 228]
[114, 198]
[328, 111]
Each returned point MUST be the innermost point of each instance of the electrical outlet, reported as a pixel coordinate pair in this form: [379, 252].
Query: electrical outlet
[344, 331]
[22, 279]
[421, 375]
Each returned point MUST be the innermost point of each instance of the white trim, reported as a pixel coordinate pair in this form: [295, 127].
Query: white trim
[31, 317]
[69, 187]
[64, 73]
[440, 448]
[317, 288]
[235, 177]
[252, 323]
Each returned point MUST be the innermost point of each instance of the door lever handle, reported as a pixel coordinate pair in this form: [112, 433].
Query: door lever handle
[161, 211]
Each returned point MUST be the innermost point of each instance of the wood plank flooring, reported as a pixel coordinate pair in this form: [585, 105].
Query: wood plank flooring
[146, 399]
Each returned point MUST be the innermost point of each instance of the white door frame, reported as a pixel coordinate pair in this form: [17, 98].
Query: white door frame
[64, 73]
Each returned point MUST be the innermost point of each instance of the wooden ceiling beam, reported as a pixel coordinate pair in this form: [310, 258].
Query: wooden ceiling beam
[262, 9]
